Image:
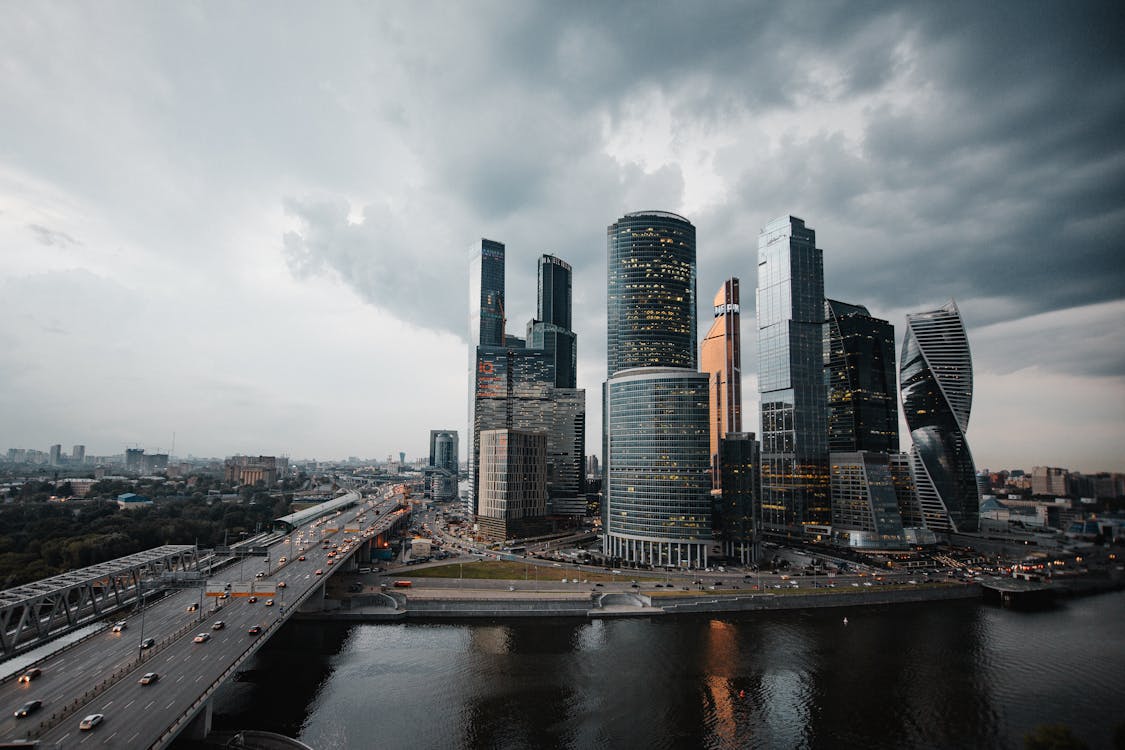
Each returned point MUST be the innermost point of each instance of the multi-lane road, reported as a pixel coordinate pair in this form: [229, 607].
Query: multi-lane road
[101, 674]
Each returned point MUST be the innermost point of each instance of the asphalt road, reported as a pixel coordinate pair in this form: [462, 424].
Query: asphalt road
[101, 673]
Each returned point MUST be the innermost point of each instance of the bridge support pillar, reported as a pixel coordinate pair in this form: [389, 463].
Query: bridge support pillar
[200, 726]
[315, 602]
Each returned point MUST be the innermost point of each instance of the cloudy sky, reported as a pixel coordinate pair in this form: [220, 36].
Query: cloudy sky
[247, 223]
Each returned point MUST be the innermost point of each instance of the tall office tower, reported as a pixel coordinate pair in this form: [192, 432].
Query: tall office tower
[741, 456]
[442, 471]
[78, 454]
[864, 503]
[905, 492]
[56, 455]
[659, 490]
[720, 356]
[657, 507]
[530, 386]
[550, 329]
[651, 292]
[133, 458]
[443, 449]
[937, 396]
[486, 328]
[859, 370]
[486, 294]
[513, 492]
[795, 491]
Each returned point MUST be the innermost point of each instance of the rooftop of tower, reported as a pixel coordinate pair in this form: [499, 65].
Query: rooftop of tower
[661, 214]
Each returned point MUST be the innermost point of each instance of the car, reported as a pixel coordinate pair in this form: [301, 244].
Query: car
[149, 678]
[30, 674]
[202, 637]
[319, 571]
[28, 709]
[254, 630]
[225, 595]
[260, 574]
[301, 558]
[119, 626]
[269, 602]
[148, 643]
[282, 560]
[192, 607]
[281, 584]
[253, 599]
[218, 625]
[91, 721]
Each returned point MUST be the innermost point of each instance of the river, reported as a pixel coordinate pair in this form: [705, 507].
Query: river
[945, 675]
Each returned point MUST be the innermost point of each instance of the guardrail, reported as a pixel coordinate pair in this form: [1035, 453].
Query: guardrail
[118, 674]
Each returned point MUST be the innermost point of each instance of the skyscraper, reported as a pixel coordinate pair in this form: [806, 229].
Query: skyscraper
[859, 364]
[651, 292]
[486, 294]
[864, 501]
[720, 356]
[741, 456]
[550, 329]
[513, 494]
[78, 454]
[527, 385]
[795, 491]
[442, 471]
[936, 374]
[656, 507]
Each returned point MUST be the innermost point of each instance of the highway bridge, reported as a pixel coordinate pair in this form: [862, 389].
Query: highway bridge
[101, 674]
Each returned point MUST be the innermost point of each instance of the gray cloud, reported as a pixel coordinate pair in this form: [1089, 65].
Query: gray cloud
[50, 237]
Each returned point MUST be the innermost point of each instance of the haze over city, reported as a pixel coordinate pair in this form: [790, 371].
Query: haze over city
[250, 226]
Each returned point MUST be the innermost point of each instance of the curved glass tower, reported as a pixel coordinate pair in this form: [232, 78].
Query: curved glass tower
[651, 292]
[936, 375]
[658, 495]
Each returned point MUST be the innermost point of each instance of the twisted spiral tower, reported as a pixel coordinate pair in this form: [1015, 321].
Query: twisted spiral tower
[936, 377]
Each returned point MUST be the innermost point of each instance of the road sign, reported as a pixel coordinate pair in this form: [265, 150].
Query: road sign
[216, 589]
[265, 588]
[241, 589]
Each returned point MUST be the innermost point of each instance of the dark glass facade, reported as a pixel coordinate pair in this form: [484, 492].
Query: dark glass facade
[859, 372]
[740, 455]
[651, 313]
[936, 375]
[865, 511]
[658, 499]
[554, 291]
[486, 294]
[790, 307]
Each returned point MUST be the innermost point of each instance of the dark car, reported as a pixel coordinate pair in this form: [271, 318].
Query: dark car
[254, 630]
[28, 709]
[148, 643]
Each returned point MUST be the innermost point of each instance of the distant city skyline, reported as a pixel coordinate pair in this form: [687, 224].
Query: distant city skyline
[247, 227]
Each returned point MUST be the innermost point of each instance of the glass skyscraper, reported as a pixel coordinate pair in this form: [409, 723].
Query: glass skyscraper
[550, 329]
[936, 376]
[656, 507]
[658, 496]
[720, 356]
[526, 385]
[859, 370]
[651, 303]
[790, 302]
[741, 456]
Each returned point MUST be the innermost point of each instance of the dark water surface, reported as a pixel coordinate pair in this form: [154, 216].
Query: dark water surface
[947, 675]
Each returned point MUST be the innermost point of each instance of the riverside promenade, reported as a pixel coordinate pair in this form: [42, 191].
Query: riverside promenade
[446, 599]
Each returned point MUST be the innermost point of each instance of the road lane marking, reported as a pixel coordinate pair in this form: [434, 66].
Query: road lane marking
[107, 739]
[180, 678]
[170, 704]
[130, 703]
[135, 736]
[63, 738]
[200, 677]
[150, 704]
[108, 705]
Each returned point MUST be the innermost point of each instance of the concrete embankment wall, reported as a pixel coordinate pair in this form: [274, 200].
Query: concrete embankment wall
[446, 608]
[752, 602]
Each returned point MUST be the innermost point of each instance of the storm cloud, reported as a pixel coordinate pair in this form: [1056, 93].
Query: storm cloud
[305, 179]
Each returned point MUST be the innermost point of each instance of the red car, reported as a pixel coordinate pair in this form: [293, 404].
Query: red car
[254, 630]
[319, 571]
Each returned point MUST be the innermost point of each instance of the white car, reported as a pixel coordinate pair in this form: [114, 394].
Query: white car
[119, 626]
[202, 638]
[91, 721]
